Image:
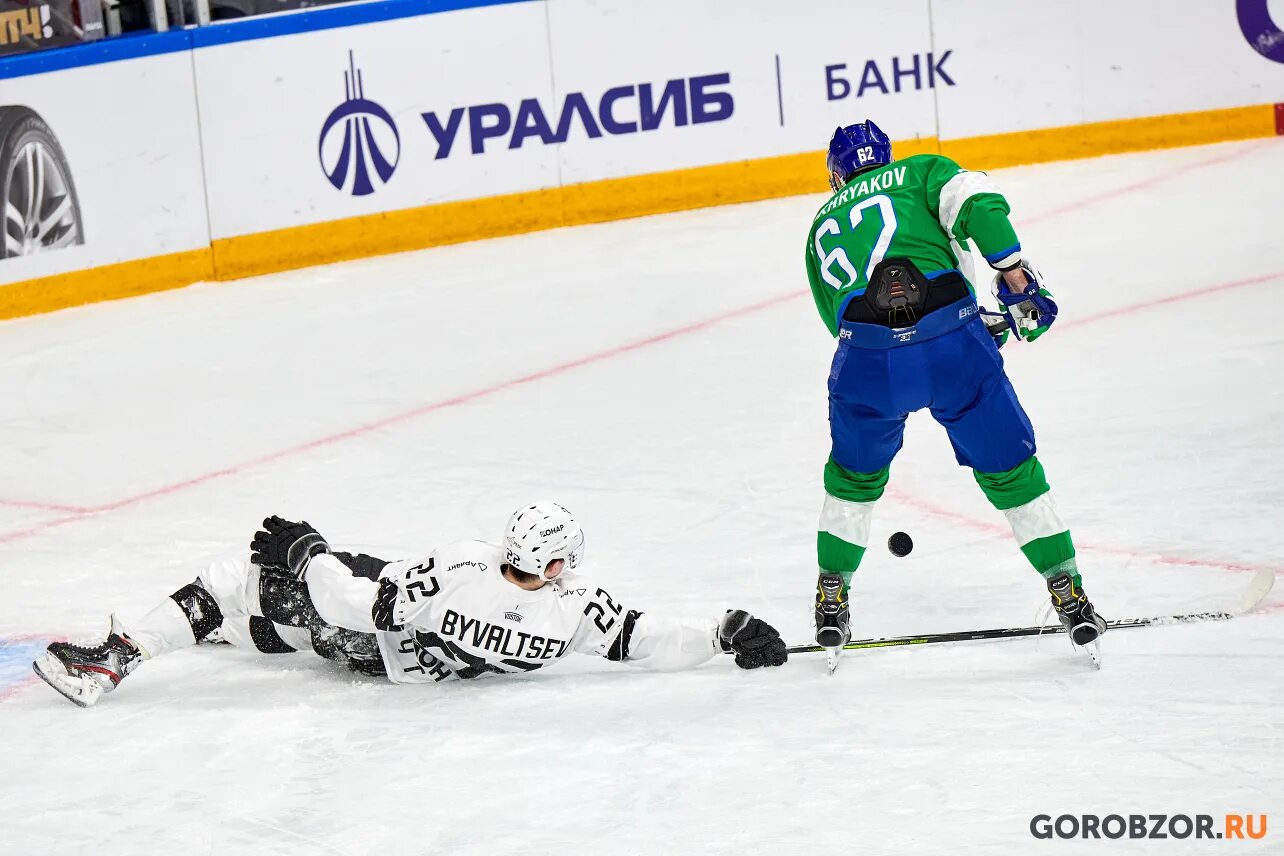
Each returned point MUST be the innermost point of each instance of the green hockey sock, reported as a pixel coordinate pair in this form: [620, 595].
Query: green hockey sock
[843, 532]
[1023, 495]
[836, 556]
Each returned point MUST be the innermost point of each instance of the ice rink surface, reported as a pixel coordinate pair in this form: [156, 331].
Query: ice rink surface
[665, 379]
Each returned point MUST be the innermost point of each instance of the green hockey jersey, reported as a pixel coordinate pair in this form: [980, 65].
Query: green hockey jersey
[911, 208]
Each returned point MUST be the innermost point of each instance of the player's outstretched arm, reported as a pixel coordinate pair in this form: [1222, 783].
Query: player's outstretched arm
[667, 644]
[663, 644]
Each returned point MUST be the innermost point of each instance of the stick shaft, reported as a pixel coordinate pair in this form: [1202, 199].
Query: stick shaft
[1009, 632]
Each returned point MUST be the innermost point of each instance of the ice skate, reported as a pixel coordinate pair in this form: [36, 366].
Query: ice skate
[1082, 624]
[83, 673]
[833, 617]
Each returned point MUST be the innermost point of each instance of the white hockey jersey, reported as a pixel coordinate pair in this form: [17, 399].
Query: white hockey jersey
[463, 619]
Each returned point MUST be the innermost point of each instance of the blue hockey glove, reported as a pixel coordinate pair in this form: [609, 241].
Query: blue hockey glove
[1030, 312]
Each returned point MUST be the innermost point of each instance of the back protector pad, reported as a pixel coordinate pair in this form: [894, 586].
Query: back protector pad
[896, 293]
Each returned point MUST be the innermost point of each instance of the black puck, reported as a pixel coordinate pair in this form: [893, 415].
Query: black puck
[900, 544]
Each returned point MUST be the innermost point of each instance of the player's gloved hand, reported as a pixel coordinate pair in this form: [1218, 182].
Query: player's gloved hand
[385, 602]
[1030, 311]
[754, 642]
[285, 545]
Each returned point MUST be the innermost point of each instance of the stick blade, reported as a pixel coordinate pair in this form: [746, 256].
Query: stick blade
[1258, 588]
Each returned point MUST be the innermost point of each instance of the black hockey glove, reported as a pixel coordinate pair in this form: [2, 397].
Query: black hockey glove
[385, 602]
[286, 545]
[754, 642]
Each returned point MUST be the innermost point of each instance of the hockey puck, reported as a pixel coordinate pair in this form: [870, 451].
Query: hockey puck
[900, 544]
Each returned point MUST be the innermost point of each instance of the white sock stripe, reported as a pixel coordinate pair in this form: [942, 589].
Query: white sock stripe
[846, 520]
[1038, 518]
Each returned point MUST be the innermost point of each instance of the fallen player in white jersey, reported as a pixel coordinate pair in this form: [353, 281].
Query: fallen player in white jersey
[467, 609]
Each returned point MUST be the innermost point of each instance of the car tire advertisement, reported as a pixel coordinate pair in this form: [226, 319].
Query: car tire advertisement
[90, 177]
[37, 191]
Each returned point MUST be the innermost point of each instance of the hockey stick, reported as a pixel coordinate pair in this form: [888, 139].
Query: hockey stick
[1258, 588]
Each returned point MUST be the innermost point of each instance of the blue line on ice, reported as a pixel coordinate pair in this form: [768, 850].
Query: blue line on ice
[16, 654]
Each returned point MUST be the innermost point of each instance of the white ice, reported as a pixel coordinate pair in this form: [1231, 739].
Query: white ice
[665, 379]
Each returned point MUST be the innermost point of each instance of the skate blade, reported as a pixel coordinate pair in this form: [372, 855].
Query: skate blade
[80, 690]
[1093, 650]
[832, 655]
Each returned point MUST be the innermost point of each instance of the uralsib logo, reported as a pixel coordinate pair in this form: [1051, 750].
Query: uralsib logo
[359, 146]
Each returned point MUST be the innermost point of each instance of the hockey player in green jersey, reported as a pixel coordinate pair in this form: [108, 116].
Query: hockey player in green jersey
[883, 261]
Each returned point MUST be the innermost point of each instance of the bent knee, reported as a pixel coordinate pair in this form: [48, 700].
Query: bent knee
[853, 486]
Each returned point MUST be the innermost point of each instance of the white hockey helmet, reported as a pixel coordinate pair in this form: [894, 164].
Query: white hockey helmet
[539, 534]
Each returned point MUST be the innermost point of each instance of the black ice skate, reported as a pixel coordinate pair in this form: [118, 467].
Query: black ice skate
[833, 618]
[83, 673]
[1077, 615]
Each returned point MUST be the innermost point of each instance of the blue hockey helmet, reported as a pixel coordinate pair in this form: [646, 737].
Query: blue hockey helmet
[855, 149]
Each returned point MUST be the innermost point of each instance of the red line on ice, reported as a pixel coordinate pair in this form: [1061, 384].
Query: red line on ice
[1174, 298]
[43, 506]
[1000, 530]
[370, 427]
[13, 689]
[1158, 178]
